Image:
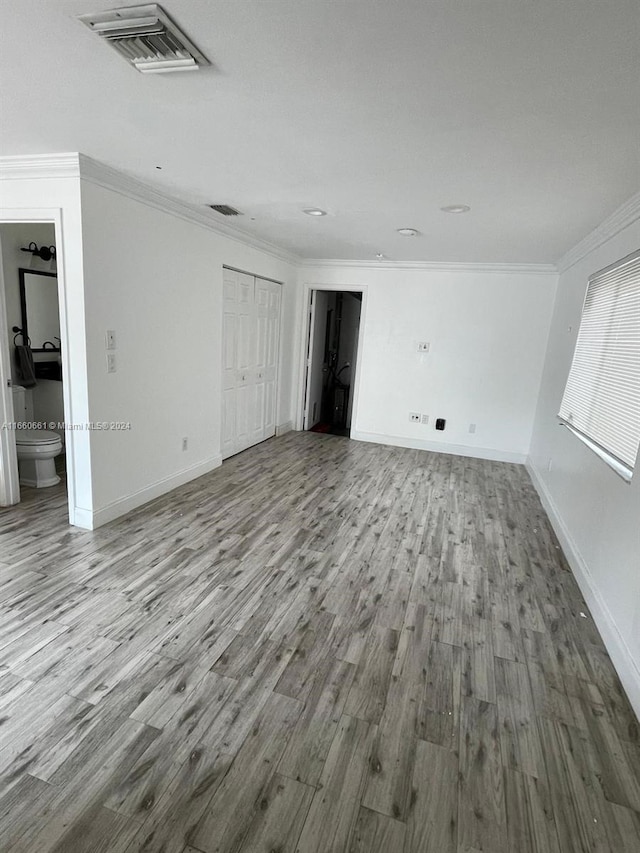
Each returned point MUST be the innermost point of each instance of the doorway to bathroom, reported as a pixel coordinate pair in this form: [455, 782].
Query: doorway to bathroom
[332, 360]
[32, 443]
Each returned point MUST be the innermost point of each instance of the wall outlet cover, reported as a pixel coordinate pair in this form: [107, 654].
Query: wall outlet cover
[414, 417]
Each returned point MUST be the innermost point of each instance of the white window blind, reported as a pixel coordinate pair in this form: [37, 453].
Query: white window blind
[601, 400]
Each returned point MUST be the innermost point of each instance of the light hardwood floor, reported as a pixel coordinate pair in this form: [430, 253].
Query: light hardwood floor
[322, 646]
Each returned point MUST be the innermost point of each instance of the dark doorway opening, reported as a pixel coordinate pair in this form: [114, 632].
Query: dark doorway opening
[333, 346]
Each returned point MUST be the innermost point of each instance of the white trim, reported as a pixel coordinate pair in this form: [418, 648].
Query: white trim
[619, 651]
[81, 517]
[286, 427]
[79, 165]
[28, 166]
[620, 219]
[438, 266]
[441, 447]
[112, 179]
[126, 504]
[9, 481]
[73, 164]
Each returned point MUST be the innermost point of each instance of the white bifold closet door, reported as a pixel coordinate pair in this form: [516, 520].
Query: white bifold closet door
[251, 329]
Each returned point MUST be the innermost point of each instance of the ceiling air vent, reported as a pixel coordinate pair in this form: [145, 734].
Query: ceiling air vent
[225, 209]
[147, 38]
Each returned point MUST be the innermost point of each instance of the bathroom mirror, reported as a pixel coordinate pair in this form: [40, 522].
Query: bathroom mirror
[40, 314]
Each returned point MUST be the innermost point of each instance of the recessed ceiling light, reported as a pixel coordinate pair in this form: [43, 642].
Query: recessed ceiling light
[407, 232]
[314, 211]
[456, 208]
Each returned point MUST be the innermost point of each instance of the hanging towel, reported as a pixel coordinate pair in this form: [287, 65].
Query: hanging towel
[26, 369]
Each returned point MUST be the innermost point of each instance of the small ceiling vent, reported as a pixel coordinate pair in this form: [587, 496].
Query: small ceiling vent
[147, 38]
[225, 209]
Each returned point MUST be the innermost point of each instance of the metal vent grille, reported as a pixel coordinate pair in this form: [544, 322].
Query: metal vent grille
[225, 209]
[147, 38]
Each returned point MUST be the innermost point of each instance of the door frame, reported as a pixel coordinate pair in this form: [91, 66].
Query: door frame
[10, 486]
[313, 306]
[305, 325]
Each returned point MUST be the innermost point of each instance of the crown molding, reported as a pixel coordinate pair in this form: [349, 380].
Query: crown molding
[112, 179]
[433, 266]
[40, 166]
[625, 215]
[75, 165]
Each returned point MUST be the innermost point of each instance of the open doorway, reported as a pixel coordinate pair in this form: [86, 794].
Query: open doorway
[332, 353]
[32, 450]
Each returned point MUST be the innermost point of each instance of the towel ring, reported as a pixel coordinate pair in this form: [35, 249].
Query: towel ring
[26, 340]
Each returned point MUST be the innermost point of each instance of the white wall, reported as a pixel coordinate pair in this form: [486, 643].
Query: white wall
[595, 513]
[156, 280]
[487, 332]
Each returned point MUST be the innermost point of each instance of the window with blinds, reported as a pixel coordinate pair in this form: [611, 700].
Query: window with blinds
[601, 402]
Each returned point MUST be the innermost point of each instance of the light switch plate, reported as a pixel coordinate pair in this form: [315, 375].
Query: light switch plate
[110, 337]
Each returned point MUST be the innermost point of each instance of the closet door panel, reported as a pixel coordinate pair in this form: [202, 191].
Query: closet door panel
[229, 350]
[243, 414]
[269, 409]
[246, 323]
[272, 332]
[229, 428]
[257, 433]
[251, 314]
[230, 294]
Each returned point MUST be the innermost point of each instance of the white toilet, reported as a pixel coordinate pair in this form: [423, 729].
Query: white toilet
[37, 448]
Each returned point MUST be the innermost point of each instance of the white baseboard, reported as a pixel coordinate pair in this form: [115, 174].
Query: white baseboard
[441, 447]
[80, 517]
[281, 429]
[615, 644]
[103, 515]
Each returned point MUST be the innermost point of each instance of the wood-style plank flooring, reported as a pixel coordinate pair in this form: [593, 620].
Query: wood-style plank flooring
[324, 646]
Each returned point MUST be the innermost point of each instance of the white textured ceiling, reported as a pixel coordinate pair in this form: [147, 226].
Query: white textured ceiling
[378, 111]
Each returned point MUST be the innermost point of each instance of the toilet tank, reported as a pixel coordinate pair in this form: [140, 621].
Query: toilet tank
[19, 403]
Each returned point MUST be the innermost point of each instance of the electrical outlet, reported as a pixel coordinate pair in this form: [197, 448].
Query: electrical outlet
[110, 337]
[440, 423]
[111, 362]
[424, 419]
[472, 428]
[414, 417]
[185, 443]
[423, 346]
